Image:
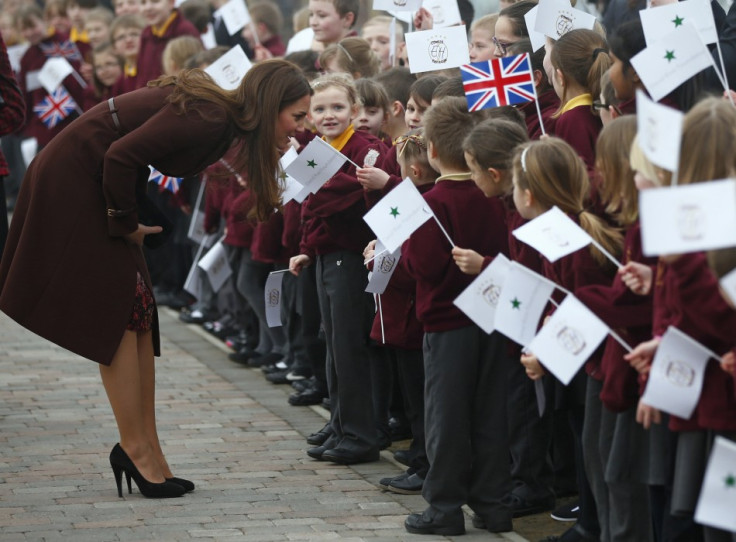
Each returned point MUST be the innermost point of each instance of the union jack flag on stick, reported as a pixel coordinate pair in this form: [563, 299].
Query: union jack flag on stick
[500, 81]
[55, 107]
[66, 49]
[166, 182]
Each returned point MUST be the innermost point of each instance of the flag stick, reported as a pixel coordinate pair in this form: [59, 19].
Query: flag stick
[255, 33]
[279, 271]
[673, 180]
[723, 76]
[539, 112]
[619, 340]
[380, 316]
[443, 229]
[333, 149]
[369, 260]
[607, 254]
[82, 82]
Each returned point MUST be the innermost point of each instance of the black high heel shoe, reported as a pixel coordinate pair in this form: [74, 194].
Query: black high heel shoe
[183, 482]
[121, 463]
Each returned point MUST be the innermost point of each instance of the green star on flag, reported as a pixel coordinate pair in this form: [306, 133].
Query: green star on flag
[516, 304]
[678, 20]
[311, 163]
[669, 55]
[282, 176]
[394, 212]
[730, 481]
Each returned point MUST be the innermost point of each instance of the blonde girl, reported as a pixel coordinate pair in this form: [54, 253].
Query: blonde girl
[482, 32]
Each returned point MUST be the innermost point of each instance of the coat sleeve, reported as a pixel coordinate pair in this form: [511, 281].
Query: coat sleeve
[164, 136]
[13, 107]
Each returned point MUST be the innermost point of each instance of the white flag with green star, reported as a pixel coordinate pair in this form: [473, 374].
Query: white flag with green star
[522, 301]
[315, 165]
[661, 20]
[717, 501]
[292, 189]
[398, 215]
[671, 60]
[479, 300]
[568, 339]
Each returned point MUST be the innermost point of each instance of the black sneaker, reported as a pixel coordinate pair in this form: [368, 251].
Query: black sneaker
[567, 512]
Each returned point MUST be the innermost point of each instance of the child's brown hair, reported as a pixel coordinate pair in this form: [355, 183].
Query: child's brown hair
[412, 148]
[612, 151]
[556, 176]
[24, 17]
[268, 14]
[178, 51]
[123, 22]
[445, 126]
[354, 56]
[372, 94]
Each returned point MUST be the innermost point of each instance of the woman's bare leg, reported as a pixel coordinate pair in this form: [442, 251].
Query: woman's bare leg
[124, 383]
[148, 398]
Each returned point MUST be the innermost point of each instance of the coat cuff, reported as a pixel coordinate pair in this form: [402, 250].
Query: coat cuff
[121, 222]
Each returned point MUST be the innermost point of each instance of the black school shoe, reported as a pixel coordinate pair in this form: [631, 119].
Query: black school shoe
[319, 438]
[521, 507]
[417, 524]
[576, 533]
[495, 527]
[342, 456]
[411, 485]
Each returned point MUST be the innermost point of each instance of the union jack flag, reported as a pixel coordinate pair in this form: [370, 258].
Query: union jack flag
[55, 107]
[166, 182]
[499, 81]
[67, 49]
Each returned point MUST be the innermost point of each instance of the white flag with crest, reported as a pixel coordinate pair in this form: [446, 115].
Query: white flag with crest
[437, 49]
[479, 300]
[660, 130]
[553, 234]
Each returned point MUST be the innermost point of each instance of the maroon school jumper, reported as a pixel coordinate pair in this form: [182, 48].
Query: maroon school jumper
[549, 103]
[31, 63]
[275, 45]
[267, 246]
[472, 221]
[579, 127]
[333, 217]
[401, 328]
[630, 315]
[152, 47]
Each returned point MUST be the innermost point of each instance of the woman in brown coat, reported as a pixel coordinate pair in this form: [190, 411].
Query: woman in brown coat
[73, 270]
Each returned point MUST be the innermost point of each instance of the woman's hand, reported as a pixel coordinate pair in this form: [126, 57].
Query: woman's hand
[297, 263]
[640, 358]
[637, 277]
[136, 237]
[469, 261]
[372, 178]
[647, 415]
[534, 369]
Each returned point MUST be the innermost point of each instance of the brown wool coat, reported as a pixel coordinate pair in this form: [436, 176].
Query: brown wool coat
[67, 273]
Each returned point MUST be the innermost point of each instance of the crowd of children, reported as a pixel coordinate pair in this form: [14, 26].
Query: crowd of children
[419, 367]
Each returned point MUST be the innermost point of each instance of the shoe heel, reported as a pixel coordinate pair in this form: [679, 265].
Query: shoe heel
[118, 472]
[127, 479]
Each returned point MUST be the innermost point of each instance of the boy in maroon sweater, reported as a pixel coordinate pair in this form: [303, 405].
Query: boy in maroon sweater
[465, 397]
[165, 23]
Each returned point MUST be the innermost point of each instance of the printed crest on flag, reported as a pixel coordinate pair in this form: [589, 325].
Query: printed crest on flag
[164, 181]
[55, 107]
[67, 49]
[498, 82]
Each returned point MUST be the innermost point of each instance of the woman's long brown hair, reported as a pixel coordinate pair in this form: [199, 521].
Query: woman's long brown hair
[252, 110]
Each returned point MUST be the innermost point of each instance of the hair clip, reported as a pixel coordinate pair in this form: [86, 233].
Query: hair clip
[597, 51]
[347, 54]
[417, 139]
[523, 158]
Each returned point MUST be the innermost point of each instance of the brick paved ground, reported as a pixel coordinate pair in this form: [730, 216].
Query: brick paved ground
[222, 426]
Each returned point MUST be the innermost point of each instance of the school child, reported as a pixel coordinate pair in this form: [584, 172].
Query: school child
[465, 391]
[108, 67]
[398, 333]
[127, 7]
[607, 105]
[549, 173]
[333, 239]
[420, 98]
[43, 119]
[165, 23]
[615, 444]
[56, 17]
[377, 32]
[681, 284]
[267, 21]
[178, 51]
[510, 27]
[333, 20]
[488, 152]
[351, 55]
[396, 82]
[373, 112]
[125, 32]
[579, 60]
[482, 32]
[547, 98]
[77, 11]
[97, 26]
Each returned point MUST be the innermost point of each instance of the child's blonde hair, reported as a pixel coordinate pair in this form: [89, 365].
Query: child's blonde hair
[487, 23]
[639, 162]
[353, 56]
[582, 57]
[618, 190]
[556, 176]
[100, 15]
[412, 149]
[124, 22]
[385, 20]
[178, 51]
[708, 147]
[492, 143]
[341, 81]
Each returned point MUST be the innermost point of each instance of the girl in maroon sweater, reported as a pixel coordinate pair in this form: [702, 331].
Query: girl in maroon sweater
[578, 60]
[334, 237]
